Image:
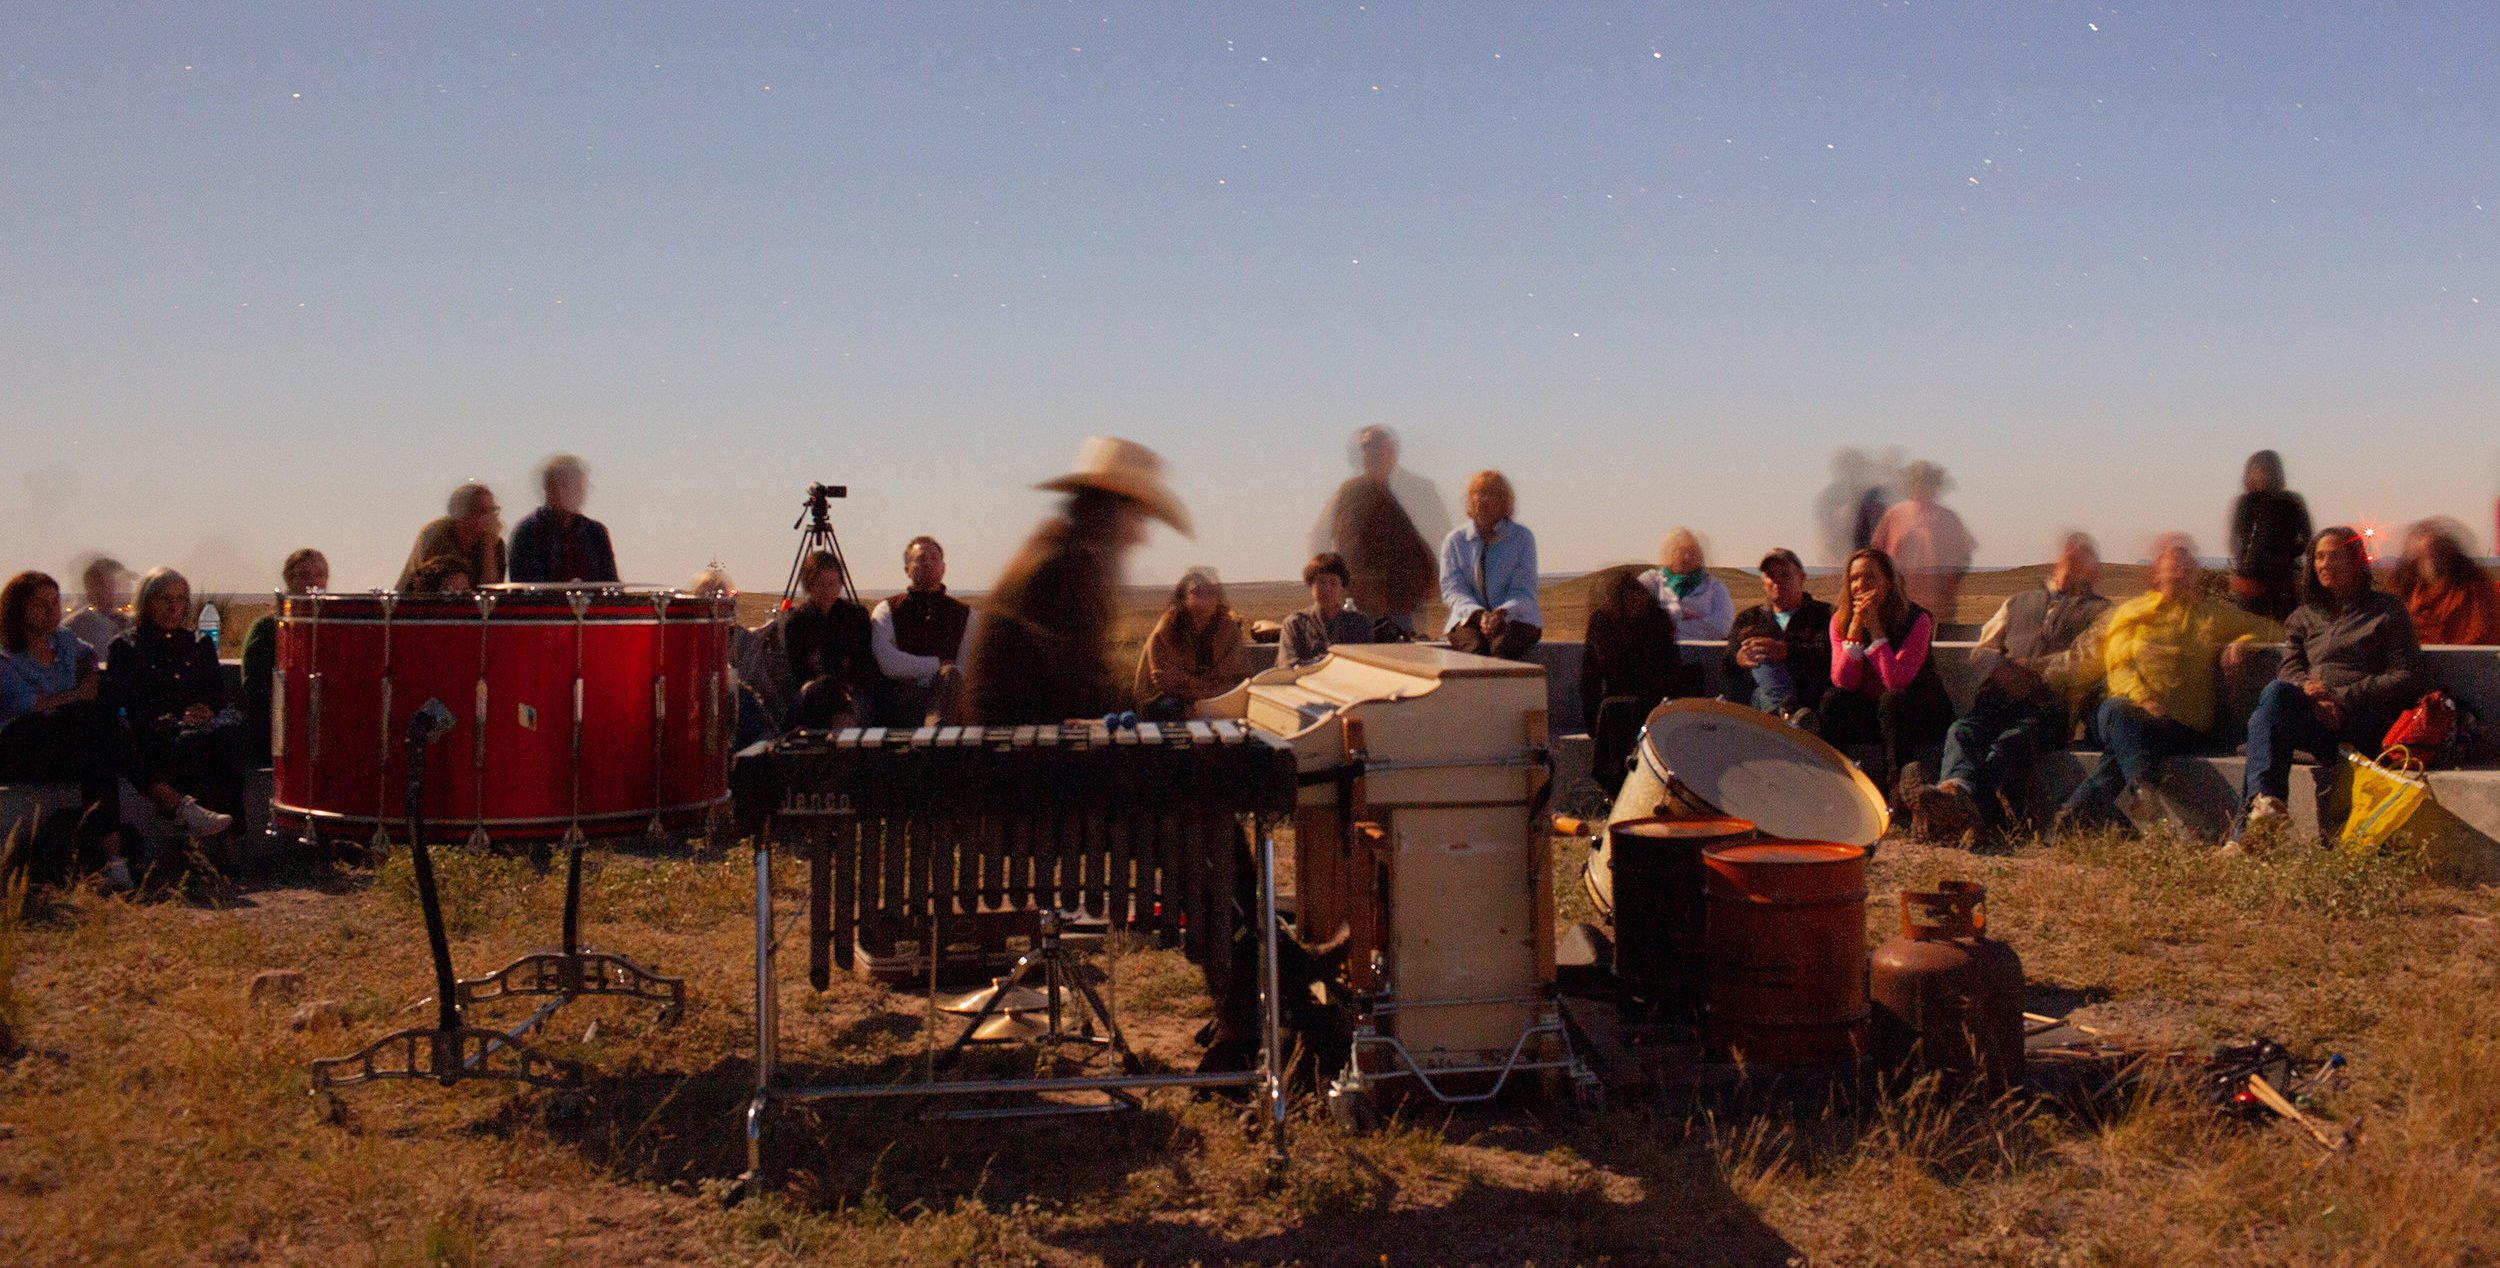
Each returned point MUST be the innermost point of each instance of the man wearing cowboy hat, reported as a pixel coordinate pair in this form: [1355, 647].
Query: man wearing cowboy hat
[1038, 651]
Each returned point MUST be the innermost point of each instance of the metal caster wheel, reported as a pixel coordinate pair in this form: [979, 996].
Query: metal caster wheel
[1353, 1111]
[1588, 1095]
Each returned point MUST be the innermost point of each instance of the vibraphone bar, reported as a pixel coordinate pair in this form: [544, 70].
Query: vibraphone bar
[1138, 828]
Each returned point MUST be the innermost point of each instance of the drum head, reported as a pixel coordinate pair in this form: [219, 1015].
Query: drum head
[1753, 766]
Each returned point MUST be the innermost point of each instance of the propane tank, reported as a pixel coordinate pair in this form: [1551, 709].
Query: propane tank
[1947, 997]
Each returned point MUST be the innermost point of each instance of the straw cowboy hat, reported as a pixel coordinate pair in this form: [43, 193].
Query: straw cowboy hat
[1129, 469]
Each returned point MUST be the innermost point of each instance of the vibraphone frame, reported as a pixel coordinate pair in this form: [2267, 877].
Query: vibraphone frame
[828, 825]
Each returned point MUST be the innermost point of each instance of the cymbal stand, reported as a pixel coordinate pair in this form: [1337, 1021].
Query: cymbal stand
[1073, 1001]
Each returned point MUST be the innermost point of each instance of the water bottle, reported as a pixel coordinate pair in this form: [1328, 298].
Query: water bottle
[208, 623]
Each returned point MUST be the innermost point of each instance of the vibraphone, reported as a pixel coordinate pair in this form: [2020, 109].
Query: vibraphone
[1139, 828]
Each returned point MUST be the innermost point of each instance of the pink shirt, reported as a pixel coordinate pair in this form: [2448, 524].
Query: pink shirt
[1881, 666]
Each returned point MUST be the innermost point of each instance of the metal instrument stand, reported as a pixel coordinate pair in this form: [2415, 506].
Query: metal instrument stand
[568, 972]
[1063, 975]
[451, 1050]
[1267, 1080]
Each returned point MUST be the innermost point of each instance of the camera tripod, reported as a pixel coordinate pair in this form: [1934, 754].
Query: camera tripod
[815, 529]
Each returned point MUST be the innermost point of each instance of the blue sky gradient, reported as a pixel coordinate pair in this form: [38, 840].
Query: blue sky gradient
[282, 275]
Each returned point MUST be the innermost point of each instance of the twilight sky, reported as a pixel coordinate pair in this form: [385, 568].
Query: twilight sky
[275, 275]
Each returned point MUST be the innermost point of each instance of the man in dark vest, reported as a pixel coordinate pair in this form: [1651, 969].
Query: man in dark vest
[2017, 715]
[920, 637]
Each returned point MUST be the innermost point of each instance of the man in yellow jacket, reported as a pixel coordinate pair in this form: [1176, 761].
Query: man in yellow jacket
[2157, 654]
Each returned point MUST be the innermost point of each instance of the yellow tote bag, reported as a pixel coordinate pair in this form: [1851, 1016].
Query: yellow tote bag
[2385, 793]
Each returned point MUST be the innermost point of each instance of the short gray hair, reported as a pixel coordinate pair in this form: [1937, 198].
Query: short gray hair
[153, 587]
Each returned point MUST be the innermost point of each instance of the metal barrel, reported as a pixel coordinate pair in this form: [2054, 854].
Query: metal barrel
[1661, 950]
[1787, 946]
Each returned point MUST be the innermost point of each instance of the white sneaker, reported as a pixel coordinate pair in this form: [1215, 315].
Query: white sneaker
[2265, 807]
[198, 820]
[116, 876]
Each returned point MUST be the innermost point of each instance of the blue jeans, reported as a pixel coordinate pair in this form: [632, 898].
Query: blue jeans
[2001, 737]
[1774, 687]
[2133, 744]
[2286, 723]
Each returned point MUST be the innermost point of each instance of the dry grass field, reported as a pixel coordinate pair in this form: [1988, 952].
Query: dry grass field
[155, 1113]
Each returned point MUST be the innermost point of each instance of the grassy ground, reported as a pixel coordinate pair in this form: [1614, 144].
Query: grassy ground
[158, 1114]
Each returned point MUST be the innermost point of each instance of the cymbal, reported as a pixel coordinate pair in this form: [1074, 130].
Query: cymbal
[1011, 1027]
[1022, 999]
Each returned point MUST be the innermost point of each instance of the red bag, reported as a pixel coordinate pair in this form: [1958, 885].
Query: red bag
[2425, 728]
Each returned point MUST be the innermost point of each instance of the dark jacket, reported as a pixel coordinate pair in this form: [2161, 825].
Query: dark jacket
[260, 681]
[1394, 571]
[1633, 657]
[550, 546]
[829, 644]
[1809, 639]
[2269, 536]
[2364, 651]
[1039, 651]
[1307, 635]
[154, 674]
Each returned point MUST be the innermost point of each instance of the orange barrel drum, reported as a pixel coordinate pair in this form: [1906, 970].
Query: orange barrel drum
[1787, 941]
[1661, 955]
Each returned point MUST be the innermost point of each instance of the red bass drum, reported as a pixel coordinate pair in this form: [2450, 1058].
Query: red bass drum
[589, 712]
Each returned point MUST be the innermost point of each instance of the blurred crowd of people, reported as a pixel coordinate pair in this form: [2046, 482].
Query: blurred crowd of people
[123, 689]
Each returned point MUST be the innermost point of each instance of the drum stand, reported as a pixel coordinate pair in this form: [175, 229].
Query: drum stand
[568, 972]
[451, 1050]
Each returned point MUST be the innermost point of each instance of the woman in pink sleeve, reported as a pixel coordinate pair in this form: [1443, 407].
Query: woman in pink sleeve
[1885, 690]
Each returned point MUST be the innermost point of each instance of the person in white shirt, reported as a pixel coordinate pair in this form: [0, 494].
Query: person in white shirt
[1682, 584]
[918, 638]
[101, 618]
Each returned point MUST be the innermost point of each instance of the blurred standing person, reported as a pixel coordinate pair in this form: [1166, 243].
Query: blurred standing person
[1039, 653]
[2017, 716]
[2269, 538]
[1838, 509]
[1188, 656]
[2351, 663]
[1926, 540]
[471, 529]
[1779, 651]
[1885, 688]
[305, 571]
[1488, 575]
[2158, 655]
[1381, 522]
[1329, 621]
[919, 638]
[102, 618]
[1627, 666]
[2449, 596]
[556, 542]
